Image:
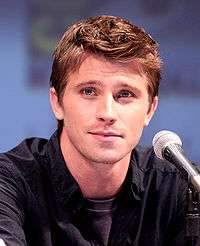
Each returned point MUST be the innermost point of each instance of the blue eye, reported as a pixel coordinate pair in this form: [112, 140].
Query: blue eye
[88, 91]
[124, 94]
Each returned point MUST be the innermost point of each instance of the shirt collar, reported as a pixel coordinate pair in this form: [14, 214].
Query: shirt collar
[140, 165]
[64, 185]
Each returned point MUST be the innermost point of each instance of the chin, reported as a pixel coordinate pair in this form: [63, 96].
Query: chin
[106, 155]
[107, 159]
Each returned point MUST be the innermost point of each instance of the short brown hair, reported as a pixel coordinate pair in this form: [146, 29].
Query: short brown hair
[114, 38]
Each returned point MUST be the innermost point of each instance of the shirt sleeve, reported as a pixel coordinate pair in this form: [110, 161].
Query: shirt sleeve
[12, 206]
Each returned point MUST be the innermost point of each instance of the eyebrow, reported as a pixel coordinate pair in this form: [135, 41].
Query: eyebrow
[90, 82]
[135, 89]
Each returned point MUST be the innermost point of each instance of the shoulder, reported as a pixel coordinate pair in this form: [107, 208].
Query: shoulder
[25, 157]
[155, 172]
[147, 160]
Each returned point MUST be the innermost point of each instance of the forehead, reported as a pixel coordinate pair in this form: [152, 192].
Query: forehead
[101, 63]
[99, 68]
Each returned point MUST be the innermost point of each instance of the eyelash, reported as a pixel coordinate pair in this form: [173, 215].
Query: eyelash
[83, 91]
[119, 96]
[130, 94]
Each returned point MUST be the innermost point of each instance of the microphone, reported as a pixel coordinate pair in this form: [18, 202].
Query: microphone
[168, 146]
[2, 243]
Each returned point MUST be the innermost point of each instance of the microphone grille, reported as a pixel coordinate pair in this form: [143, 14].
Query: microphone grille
[163, 139]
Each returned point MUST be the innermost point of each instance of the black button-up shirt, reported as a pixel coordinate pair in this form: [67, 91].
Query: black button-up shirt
[41, 204]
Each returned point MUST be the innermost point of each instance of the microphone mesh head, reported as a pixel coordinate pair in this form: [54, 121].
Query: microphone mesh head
[163, 139]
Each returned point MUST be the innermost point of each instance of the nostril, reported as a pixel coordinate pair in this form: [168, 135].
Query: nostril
[107, 120]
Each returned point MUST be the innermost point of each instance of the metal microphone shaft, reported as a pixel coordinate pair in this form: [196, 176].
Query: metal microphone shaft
[174, 154]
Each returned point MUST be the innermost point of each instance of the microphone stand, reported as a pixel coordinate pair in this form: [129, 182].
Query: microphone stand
[192, 217]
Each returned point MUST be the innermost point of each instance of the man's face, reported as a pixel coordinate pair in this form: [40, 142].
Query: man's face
[105, 107]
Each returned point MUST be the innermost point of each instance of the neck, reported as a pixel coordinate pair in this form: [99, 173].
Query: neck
[100, 180]
[96, 180]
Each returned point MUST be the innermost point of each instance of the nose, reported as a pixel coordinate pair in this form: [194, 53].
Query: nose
[106, 110]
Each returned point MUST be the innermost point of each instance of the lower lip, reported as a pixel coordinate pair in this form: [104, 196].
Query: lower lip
[105, 138]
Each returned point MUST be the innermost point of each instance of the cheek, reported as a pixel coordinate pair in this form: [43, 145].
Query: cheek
[76, 117]
[134, 117]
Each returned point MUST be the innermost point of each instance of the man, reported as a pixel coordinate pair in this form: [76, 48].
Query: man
[89, 184]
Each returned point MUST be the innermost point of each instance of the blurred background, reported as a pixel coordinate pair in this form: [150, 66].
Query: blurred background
[30, 29]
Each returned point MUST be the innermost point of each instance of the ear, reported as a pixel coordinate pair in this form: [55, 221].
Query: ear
[55, 105]
[151, 111]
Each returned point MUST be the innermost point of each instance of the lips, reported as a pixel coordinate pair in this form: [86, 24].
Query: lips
[106, 134]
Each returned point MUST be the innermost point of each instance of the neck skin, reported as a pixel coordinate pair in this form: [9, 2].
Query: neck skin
[96, 180]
